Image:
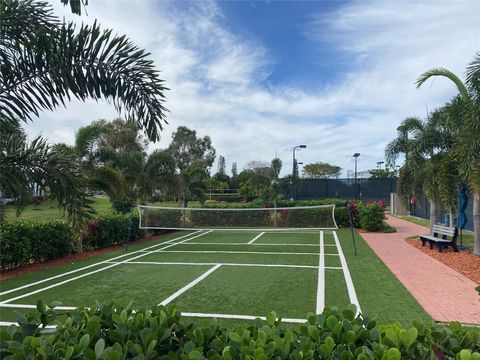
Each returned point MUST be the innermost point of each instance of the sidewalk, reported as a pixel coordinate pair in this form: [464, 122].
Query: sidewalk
[444, 293]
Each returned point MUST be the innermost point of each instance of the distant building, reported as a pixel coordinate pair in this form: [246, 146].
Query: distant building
[360, 174]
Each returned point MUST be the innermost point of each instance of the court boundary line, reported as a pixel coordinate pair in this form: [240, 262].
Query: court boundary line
[226, 264]
[255, 238]
[352, 294]
[95, 271]
[235, 252]
[256, 244]
[189, 285]
[89, 266]
[321, 278]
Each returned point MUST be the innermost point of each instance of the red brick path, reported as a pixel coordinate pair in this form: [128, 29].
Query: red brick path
[444, 293]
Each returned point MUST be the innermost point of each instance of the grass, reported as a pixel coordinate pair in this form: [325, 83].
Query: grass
[49, 210]
[467, 237]
[247, 290]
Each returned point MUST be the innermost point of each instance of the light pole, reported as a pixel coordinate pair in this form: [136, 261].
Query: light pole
[356, 155]
[294, 171]
[379, 164]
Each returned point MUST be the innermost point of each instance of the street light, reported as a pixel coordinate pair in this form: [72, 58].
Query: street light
[356, 155]
[294, 173]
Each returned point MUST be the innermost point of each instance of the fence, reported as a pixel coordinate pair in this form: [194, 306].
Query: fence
[348, 189]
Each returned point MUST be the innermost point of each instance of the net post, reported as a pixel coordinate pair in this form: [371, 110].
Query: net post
[350, 218]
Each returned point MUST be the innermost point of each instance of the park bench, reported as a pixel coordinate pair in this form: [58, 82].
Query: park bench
[442, 236]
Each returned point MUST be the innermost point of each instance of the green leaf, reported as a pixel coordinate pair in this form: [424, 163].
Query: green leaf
[99, 347]
[195, 355]
[84, 341]
[271, 318]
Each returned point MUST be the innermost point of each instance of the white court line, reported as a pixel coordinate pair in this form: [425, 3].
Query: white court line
[346, 273]
[90, 266]
[225, 264]
[239, 317]
[8, 323]
[189, 286]
[93, 272]
[24, 306]
[256, 244]
[234, 252]
[255, 238]
[321, 278]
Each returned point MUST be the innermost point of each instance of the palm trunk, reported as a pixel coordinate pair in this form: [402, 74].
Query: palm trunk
[433, 213]
[476, 224]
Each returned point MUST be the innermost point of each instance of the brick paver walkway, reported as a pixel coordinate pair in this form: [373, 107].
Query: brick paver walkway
[444, 293]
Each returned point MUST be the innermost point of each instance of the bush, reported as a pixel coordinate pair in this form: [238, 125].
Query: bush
[111, 229]
[24, 242]
[372, 216]
[108, 332]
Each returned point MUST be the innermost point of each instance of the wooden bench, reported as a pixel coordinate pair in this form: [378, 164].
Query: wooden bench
[442, 236]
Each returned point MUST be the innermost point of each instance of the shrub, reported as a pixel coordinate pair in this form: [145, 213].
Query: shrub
[372, 216]
[123, 206]
[23, 242]
[109, 332]
[110, 229]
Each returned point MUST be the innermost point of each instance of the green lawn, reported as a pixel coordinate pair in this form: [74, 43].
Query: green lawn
[282, 276]
[467, 237]
[48, 210]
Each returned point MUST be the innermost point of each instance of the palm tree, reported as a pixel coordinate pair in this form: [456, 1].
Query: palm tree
[466, 148]
[428, 162]
[44, 63]
[25, 166]
[158, 173]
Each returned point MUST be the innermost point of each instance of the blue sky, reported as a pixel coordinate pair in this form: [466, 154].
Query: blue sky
[261, 77]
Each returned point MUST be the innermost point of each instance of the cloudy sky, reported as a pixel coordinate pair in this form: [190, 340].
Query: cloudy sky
[260, 77]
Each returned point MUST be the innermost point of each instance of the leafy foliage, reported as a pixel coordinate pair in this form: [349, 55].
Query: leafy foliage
[25, 165]
[45, 62]
[372, 216]
[321, 170]
[25, 242]
[111, 229]
[113, 332]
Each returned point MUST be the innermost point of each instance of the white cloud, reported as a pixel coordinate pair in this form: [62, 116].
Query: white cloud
[216, 77]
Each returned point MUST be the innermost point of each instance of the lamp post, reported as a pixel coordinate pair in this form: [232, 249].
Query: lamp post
[294, 171]
[356, 155]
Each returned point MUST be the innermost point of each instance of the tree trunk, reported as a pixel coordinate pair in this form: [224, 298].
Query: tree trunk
[476, 224]
[452, 218]
[433, 213]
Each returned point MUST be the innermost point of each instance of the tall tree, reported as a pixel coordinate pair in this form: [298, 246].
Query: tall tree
[221, 165]
[321, 170]
[234, 170]
[467, 142]
[27, 165]
[188, 150]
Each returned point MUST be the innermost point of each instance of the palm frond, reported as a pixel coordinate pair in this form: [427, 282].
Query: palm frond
[60, 62]
[445, 73]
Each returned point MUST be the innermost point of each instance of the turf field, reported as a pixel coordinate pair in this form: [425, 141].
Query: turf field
[228, 275]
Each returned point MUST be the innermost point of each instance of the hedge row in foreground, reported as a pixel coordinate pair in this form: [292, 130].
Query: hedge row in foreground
[24, 242]
[160, 333]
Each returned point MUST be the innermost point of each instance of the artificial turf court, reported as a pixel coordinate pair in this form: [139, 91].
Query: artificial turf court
[226, 274]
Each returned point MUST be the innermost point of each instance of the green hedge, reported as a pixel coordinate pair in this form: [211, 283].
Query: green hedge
[372, 216]
[111, 229]
[108, 332]
[24, 242]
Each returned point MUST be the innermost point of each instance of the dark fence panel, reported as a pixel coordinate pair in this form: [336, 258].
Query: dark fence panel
[348, 189]
[422, 210]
